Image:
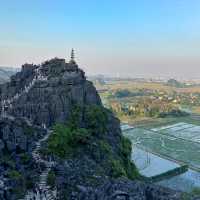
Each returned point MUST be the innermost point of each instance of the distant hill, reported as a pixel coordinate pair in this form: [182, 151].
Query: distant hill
[175, 83]
[6, 73]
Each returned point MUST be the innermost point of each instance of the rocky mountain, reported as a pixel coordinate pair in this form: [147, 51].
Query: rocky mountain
[51, 100]
[18, 171]
[85, 155]
[6, 73]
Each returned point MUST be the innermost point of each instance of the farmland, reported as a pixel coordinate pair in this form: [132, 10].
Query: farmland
[138, 102]
[162, 148]
[173, 147]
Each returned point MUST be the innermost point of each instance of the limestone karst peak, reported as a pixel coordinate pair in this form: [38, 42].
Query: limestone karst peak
[44, 93]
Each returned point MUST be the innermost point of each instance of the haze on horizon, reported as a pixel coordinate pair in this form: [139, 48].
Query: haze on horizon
[127, 37]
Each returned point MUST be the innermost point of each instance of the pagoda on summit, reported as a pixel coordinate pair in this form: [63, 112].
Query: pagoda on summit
[72, 60]
[72, 65]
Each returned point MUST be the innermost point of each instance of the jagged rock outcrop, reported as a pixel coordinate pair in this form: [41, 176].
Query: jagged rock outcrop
[90, 173]
[16, 134]
[95, 160]
[50, 101]
[124, 189]
[18, 171]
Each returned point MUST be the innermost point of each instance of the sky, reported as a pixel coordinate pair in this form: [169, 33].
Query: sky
[136, 38]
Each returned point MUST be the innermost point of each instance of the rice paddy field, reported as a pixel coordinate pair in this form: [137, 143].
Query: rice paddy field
[179, 142]
[150, 164]
[181, 130]
[162, 144]
[165, 147]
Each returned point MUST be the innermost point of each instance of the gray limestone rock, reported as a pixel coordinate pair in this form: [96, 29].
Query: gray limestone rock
[86, 176]
[50, 101]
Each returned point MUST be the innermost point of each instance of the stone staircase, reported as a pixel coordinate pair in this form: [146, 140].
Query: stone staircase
[8, 103]
[42, 191]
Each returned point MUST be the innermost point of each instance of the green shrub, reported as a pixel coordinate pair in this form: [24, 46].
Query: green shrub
[96, 119]
[123, 93]
[25, 157]
[126, 147]
[130, 168]
[80, 136]
[14, 174]
[75, 117]
[117, 169]
[104, 146]
[51, 178]
[191, 195]
[60, 141]
[64, 139]
[196, 191]
[67, 137]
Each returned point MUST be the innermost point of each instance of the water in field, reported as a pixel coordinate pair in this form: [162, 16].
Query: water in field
[150, 164]
[169, 144]
[125, 127]
[181, 130]
[167, 140]
[185, 182]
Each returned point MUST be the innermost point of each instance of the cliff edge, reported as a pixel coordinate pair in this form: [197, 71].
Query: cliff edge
[91, 158]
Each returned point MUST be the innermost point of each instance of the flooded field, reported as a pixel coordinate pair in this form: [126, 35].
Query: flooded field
[155, 152]
[167, 145]
[181, 130]
[150, 164]
[185, 182]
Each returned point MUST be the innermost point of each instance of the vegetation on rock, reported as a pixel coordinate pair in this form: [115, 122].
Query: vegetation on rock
[89, 137]
[194, 194]
[67, 137]
[96, 119]
[51, 178]
[13, 174]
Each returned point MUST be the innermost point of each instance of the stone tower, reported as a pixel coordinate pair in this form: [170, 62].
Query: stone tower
[72, 60]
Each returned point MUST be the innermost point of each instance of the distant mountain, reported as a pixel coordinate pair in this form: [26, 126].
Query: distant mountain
[6, 73]
[175, 83]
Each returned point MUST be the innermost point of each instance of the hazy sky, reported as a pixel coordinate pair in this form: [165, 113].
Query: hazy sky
[126, 37]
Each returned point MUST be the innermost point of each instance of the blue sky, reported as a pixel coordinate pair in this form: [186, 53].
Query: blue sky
[127, 37]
